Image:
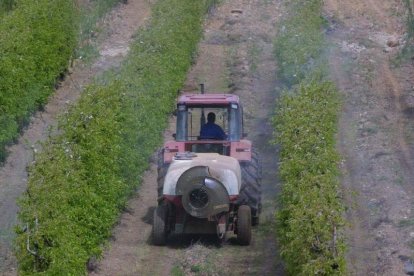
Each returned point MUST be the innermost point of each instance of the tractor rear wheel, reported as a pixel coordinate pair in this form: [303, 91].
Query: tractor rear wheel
[251, 190]
[159, 226]
[244, 225]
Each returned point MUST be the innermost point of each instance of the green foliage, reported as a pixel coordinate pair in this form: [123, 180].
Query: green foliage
[90, 13]
[310, 218]
[309, 222]
[410, 17]
[6, 6]
[82, 179]
[299, 41]
[408, 50]
[177, 271]
[36, 41]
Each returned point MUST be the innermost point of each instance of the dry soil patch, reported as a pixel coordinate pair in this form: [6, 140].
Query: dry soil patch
[378, 158]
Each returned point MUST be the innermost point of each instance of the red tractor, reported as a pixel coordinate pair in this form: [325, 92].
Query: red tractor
[208, 183]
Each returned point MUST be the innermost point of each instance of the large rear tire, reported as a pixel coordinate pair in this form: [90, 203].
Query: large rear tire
[244, 225]
[159, 227]
[251, 190]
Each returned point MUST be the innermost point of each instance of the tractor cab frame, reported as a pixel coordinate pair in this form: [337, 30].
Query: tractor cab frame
[191, 116]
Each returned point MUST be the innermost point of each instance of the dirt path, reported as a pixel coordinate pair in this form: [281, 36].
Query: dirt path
[375, 136]
[120, 25]
[235, 55]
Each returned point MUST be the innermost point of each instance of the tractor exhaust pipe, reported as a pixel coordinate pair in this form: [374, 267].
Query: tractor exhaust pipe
[203, 116]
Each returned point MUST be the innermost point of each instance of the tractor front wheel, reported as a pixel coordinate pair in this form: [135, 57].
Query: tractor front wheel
[244, 225]
[159, 227]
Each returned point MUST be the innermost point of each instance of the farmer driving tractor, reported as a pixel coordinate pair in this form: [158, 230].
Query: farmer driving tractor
[210, 130]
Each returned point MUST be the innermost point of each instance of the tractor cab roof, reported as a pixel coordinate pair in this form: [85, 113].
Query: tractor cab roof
[208, 99]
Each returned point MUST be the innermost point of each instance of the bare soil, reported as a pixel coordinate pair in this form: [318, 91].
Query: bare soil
[375, 137]
[120, 25]
[234, 56]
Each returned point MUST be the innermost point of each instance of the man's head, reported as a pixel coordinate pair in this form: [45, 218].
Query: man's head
[211, 117]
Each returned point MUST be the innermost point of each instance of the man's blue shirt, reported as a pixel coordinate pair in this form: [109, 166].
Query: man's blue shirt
[212, 131]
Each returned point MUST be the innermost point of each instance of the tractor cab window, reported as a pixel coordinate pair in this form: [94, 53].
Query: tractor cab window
[208, 122]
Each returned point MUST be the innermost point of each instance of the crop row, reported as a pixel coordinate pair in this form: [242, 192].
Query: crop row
[5, 6]
[300, 40]
[81, 181]
[309, 221]
[408, 49]
[37, 39]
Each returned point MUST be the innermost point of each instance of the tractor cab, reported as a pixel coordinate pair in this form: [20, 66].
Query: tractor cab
[193, 114]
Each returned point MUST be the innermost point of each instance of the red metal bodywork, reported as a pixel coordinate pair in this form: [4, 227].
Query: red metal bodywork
[241, 150]
[197, 99]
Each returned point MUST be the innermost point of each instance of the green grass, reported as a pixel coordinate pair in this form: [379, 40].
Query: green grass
[253, 53]
[407, 51]
[299, 42]
[177, 271]
[406, 223]
[6, 6]
[81, 181]
[206, 262]
[410, 18]
[309, 222]
[90, 13]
